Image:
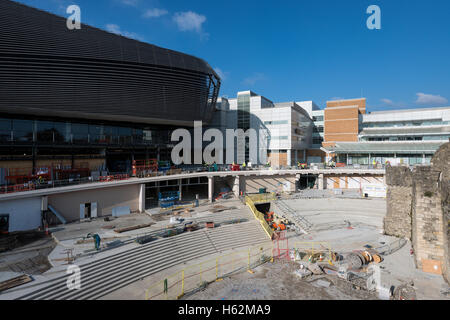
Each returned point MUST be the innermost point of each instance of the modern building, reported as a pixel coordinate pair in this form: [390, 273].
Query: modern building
[284, 129]
[398, 137]
[342, 120]
[89, 98]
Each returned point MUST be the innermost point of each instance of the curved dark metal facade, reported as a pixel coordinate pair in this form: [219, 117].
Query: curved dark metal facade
[47, 69]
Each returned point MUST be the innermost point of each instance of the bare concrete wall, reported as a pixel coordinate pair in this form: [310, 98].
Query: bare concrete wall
[24, 214]
[68, 204]
[352, 181]
[271, 183]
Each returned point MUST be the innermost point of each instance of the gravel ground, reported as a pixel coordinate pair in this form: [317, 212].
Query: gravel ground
[277, 281]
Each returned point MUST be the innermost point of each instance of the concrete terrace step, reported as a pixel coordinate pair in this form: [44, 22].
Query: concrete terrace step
[111, 273]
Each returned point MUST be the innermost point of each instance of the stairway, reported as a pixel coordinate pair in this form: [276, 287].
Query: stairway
[108, 274]
[300, 221]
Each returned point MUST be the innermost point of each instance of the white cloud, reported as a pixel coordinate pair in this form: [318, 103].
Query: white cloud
[133, 3]
[391, 103]
[114, 28]
[430, 99]
[223, 75]
[155, 13]
[189, 21]
[251, 81]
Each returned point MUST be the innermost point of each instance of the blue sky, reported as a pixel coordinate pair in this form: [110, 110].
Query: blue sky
[297, 50]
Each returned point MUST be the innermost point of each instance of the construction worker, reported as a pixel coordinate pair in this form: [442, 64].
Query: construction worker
[97, 240]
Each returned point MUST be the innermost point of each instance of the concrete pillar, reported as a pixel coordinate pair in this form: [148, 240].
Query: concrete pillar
[236, 186]
[210, 189]
[289, 157]
[321, 182]
[180, 188]
[297, 181]
[158, 188]
[142, 198]
[304, 156]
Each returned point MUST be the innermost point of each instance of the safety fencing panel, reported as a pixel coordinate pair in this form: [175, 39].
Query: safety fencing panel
[311, 251]
[196, 277]
[259, 215]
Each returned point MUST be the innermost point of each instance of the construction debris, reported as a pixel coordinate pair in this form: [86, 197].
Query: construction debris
[404, 292]
[145, 239]
[18, 281]
[209, 225]
[134, 227]
[302, 273]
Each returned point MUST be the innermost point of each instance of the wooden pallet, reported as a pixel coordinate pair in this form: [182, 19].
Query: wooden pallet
[134, 227]
[18, 281]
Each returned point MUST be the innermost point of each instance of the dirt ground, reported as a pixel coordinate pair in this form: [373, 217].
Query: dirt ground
[277, 281]
[29, 259]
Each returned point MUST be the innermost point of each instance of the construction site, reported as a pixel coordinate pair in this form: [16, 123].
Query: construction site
[271, 244]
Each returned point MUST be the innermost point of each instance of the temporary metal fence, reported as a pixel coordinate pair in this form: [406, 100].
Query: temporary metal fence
[196, 277]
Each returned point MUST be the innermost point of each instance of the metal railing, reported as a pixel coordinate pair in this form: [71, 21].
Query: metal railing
[30, 186]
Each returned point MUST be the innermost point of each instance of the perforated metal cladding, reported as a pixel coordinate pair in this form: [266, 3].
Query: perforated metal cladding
[45, 66]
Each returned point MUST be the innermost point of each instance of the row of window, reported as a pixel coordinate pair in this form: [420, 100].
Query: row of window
[317, 118]
[382, 159]
[278, 138]
[278, 122]
[408, 138]
[318, 129]
[405, 123]
[28, 131]
[317, 140]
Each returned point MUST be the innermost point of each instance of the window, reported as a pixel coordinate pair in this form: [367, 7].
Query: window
[318, 129]
[317, 118]
[62, 132]
[96, 134]
[80, 133]
[138, 136]
[125, 135]
[317, 140]
[44, 131]
[23, 130]
[5, 130]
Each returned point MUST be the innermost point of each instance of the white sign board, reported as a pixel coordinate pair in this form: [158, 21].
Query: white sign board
[374, 190]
